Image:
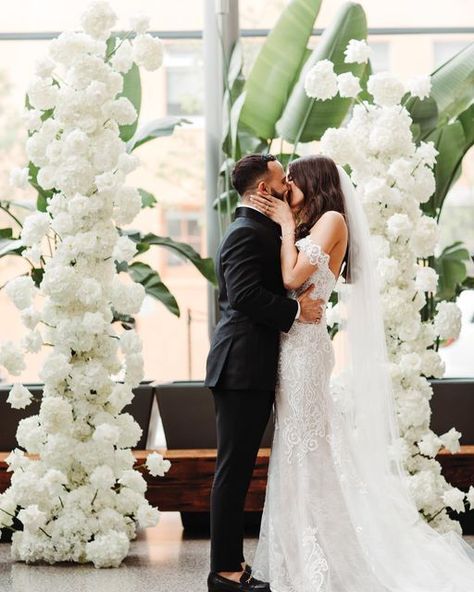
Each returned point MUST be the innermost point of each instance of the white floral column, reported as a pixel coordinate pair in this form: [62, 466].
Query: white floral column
[393, 176]
[81, 500]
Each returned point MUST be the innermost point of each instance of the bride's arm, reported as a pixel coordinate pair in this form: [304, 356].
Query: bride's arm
[296, 266]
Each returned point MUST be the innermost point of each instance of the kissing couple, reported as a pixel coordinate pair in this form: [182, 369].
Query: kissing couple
[338, 515]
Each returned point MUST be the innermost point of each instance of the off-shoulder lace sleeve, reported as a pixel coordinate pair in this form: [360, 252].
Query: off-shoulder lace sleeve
[312, 250]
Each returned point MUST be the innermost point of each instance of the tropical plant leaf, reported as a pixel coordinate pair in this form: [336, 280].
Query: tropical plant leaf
[452, 85]
[43, 194]
[148, 199]
[151, 281]
[424, 114]
[305, 119]
[452, 270]
[204, 265]
[275, 70]
[452, 141]
[223, 202]
[156, 128]
[132, 90]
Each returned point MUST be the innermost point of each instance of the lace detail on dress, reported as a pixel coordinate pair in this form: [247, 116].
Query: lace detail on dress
[312, 250]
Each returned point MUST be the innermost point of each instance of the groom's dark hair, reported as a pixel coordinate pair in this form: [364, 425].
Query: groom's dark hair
[250, 169]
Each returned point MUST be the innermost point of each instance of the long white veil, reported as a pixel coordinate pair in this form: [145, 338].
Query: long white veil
[404, 552]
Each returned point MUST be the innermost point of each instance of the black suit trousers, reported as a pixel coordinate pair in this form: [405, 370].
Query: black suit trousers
[242, 416]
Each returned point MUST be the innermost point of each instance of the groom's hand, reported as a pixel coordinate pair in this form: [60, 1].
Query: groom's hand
[311, 310]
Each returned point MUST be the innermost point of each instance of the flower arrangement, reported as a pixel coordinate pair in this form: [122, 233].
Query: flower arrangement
[81, 499]
[393, 178]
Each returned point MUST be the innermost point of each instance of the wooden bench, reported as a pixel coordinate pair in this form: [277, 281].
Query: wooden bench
[187, 485]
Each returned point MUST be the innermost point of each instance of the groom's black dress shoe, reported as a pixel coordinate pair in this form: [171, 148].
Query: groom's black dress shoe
[216, 583]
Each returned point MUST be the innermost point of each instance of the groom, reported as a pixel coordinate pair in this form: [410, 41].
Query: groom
[242, 362]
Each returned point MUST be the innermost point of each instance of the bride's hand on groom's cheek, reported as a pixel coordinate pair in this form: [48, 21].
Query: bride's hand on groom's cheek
[276, 209]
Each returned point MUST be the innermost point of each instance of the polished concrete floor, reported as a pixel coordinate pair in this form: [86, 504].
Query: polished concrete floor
[161, 559]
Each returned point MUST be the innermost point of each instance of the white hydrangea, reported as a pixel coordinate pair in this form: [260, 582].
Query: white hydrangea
[42, 94]
[19, 396]
[32, 518]
[19, 177]
[98, 19]
[157, 465]
[11, 358]
[140, 23]
[448, 320]
[386, 89]
[122, 60]
[147, 516]
[357, 51]
[348, 85]
[21, 291]
[454, 498]
[399, 226]
[419, 86]
[148, 51]
[321, 81]
[35, 227]
[450, 440]
[426, 279]
[81, 429]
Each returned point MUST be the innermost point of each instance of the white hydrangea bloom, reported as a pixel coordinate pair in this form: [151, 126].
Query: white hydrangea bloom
[386, 89]
[19, 177]
[348, 85]
[32, 518]
[157, 465]
[419, 86]
[454, 498]
[357, 51]
[148, 51]
[140, 23]
[11, 358]
[448, 320]
[450, 440]
[426, 279]
[19, 396]
[35, 227]
[321, 81]
[98, 19]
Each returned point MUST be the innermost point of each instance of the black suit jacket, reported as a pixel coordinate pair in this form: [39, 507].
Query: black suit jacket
[253, 305]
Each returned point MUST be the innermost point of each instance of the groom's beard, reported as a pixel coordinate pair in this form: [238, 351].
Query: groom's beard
[282, 196]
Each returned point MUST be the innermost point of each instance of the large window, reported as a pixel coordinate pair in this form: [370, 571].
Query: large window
[173, 167]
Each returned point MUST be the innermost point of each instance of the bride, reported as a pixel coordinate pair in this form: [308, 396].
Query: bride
[338, 516]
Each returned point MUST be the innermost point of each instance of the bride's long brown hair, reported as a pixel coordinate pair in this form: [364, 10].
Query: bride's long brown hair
[318, 178]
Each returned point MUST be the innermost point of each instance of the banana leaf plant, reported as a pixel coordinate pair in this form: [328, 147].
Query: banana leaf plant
[271, 103]
[133, 136]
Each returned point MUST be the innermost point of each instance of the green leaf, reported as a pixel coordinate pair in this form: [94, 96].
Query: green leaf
[452, 84]
[204, 265]
[424, 114]
[132, 90]
[156, 128]
[148, 199]
[452, 270]
[222, 202]
[37, 276]
[286, 158]
[6, 232]
[151, 281]
[43, 195]
[275, 70]
[305, 119]
[452, 142]
[10, 246]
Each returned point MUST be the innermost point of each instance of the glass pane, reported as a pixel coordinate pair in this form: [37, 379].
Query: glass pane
[54, 15]
[404, 13]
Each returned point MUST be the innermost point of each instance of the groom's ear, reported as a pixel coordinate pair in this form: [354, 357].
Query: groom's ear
[262, 188]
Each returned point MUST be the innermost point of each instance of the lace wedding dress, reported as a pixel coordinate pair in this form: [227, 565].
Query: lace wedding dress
[310, 540]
